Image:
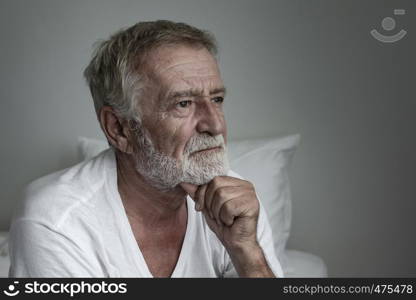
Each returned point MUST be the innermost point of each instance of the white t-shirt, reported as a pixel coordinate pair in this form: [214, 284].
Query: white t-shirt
[72, 223]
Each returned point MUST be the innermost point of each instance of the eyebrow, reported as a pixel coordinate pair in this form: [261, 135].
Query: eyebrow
[196, 93]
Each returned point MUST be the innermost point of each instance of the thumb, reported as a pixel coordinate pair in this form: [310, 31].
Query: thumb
[189, 188]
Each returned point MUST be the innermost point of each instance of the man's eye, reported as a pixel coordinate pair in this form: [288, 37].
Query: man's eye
[184, 104]
[218, 99]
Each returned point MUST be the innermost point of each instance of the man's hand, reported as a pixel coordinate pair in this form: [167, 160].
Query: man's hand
[231, 210]
[230, 207]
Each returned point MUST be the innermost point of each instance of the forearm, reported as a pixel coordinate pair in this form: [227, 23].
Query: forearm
[249, 261]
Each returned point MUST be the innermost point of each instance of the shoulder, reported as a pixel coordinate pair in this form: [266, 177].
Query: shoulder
[51, 198]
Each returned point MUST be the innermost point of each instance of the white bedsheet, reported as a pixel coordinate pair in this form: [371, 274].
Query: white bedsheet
[303, 264]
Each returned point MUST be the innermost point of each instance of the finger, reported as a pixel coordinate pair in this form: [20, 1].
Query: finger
[200, 197]
[221, 196]
[230, 210]
[213, 185]
[189, 188]
[211, 222]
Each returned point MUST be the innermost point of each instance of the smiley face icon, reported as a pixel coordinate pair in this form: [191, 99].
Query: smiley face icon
[389, 24]
[11, 290]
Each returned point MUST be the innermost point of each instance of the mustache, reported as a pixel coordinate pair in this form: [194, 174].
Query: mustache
[204, 141]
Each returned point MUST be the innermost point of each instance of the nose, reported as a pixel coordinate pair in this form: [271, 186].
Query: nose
[211, 119]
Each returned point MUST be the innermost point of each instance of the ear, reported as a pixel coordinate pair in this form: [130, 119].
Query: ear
[116, 130]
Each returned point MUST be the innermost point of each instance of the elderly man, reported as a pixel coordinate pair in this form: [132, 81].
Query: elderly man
[161, 201]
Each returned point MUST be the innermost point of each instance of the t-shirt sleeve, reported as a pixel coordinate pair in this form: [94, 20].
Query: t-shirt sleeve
[265, 240]
[38, 250]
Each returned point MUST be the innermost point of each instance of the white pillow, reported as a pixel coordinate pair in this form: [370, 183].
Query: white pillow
[304, 264]
[264, 162]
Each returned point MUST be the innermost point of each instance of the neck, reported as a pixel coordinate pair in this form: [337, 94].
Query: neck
[144, 203]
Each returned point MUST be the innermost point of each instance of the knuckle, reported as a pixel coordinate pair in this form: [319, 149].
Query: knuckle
[250, 185]
[222, 193]
[252, 201]
[228, 207]
[216, 181]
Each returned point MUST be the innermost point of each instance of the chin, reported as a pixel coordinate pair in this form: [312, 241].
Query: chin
[200, 180]
[201, 170]
[200, 175]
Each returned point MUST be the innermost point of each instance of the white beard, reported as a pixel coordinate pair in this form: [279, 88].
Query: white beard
[165, 172]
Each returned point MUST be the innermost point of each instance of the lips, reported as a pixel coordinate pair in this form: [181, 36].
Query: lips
[207, 150]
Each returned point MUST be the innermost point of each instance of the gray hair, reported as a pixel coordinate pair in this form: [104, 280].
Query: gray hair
[114, 73]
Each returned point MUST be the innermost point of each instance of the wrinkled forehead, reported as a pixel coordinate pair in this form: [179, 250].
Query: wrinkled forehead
[183, 67]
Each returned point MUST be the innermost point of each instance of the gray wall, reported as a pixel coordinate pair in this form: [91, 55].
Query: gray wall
[308, 67]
